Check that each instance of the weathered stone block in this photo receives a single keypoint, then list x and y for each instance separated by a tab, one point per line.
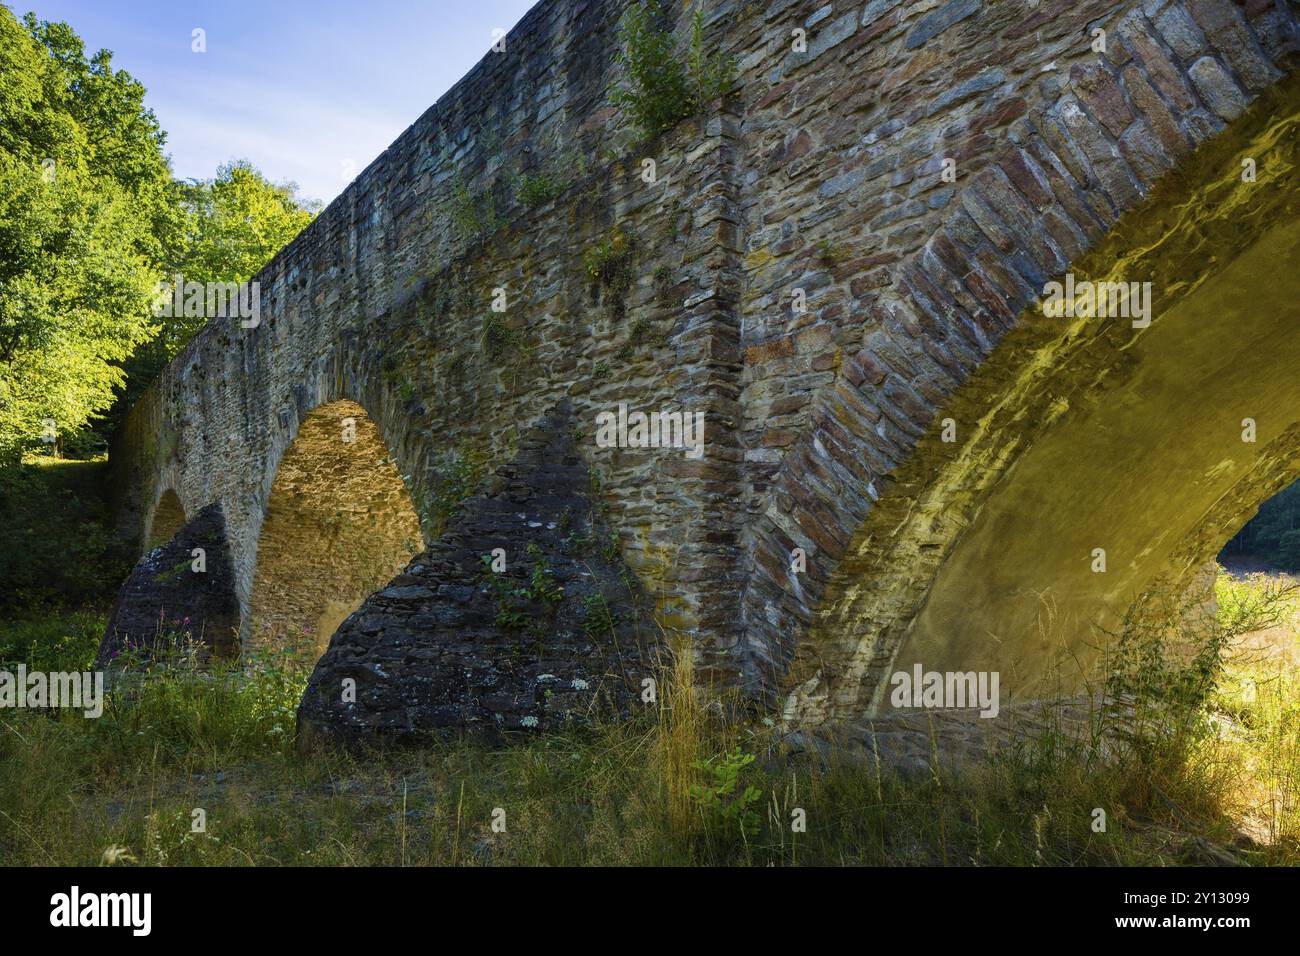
1218	90
166	605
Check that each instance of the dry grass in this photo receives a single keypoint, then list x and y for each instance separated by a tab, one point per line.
676	787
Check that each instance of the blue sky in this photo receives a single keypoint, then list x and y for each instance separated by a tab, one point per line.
308	90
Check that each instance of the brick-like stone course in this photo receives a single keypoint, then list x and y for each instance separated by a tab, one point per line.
167	605
819	174
452	644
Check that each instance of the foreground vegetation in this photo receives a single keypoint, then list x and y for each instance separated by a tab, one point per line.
1212	784
1213	776
92	220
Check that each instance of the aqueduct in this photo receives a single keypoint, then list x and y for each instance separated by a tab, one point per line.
840	265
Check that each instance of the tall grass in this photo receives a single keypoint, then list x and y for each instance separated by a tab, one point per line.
683	783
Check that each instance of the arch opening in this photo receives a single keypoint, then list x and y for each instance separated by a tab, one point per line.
339	525
1259	578
1269	543
168	518
1136	488
1100	462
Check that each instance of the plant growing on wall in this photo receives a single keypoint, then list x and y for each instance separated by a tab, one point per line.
609	265
472	215
665	83
457	475
498	339
540	188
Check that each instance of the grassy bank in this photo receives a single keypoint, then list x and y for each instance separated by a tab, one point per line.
675	787
1214	779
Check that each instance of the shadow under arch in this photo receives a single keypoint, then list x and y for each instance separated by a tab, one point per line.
339	524
1086	435
168	517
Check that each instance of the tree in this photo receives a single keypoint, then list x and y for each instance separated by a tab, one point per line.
80	225
230	227
91	220
233	225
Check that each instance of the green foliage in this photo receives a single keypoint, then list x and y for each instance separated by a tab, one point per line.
612	548
711	74
179	737
1273	535
640	333
86	210
234	224
56	540
723	798
1165	670
458	474
90	222
498	339
607	262
173	702
514	602
597	616
472	215
609	265
1170	655
75	293
52	642
539	189
542	586
664	83
1253	603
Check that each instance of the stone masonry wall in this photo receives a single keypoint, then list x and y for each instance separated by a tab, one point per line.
550	634
820	173
911	282
386	300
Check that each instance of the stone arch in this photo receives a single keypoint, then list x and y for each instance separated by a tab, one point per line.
976	554
339	524
167	517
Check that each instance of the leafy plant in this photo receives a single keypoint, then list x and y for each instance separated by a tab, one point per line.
711	74
539	189
609	264
542	584
458	474
1254	603
499	338
721	796
664	83
606	261
597	616
513	602
472	215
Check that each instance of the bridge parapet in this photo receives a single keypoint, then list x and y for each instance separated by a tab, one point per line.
819	266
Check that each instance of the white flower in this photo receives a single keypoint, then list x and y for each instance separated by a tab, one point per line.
579	684
529	721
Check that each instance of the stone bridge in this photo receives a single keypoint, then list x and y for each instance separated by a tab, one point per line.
841	265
